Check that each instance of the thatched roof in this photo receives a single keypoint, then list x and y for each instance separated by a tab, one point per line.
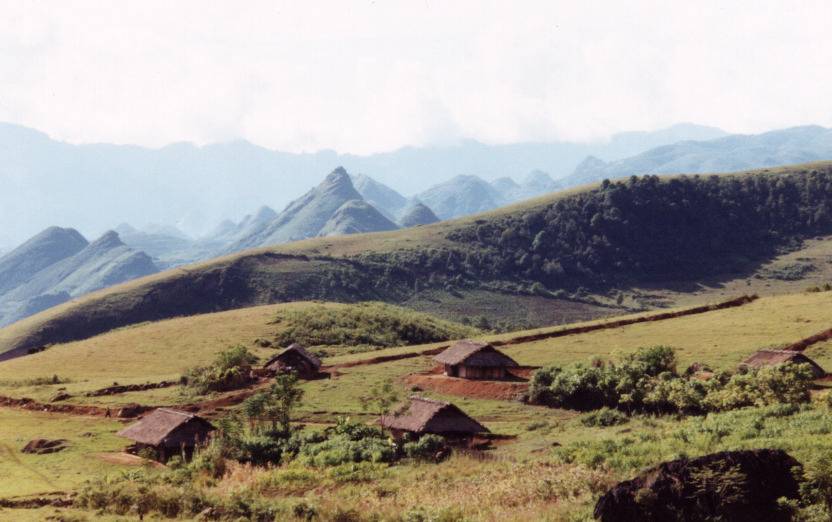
474	353
774	357
162	424
295	349
430	416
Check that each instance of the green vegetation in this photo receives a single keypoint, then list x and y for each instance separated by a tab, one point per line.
554	467
229	371
369	325
276	404
581	242
604	417
612	233
88	440
647	381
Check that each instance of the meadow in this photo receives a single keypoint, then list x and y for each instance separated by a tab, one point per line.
548	465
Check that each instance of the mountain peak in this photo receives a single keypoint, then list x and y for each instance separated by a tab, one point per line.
265	213
109	239
418	214
338	175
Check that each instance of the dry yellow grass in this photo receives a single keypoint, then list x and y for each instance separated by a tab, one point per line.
721	338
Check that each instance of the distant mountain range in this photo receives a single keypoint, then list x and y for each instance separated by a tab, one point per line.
59	264
727	154
96	186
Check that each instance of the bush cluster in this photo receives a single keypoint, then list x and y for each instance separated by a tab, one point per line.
374	324
230	370
647	381
604	417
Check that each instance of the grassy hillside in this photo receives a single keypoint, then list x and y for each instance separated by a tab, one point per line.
575	245
164	350
550	464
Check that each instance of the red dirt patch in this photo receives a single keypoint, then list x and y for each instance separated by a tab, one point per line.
474	389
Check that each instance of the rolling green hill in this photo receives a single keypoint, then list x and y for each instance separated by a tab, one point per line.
576	245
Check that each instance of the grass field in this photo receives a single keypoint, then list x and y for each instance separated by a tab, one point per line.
163	350
551	468
25	474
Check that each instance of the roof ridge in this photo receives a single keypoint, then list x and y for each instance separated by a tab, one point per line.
178	412
426	399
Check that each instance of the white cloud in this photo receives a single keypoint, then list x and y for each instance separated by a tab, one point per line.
366	76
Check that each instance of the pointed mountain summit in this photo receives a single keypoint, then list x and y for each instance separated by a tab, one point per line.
104	262
417	214
310	215
41	251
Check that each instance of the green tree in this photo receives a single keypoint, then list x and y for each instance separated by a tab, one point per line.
380	399
276	404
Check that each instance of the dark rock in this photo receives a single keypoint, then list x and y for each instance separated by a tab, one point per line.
60	396
44	446
741	486
130	410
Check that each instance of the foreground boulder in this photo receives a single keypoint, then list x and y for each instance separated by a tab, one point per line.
732	485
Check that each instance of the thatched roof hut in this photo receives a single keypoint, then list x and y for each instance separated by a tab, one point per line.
295	358
168	431
475	360
429	416
776	357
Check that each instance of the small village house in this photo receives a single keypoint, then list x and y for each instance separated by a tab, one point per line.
475	360
775	357
422	416
295	358
168	432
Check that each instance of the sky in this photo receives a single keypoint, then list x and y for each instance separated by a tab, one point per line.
369	76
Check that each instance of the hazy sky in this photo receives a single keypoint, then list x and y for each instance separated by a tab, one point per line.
361	76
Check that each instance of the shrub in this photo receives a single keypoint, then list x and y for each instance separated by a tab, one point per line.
604	417
591	387
647	381
230	370
357	472
426	447
782	384
340	449
374	324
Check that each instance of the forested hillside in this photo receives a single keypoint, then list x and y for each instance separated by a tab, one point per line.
650	229
597	240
